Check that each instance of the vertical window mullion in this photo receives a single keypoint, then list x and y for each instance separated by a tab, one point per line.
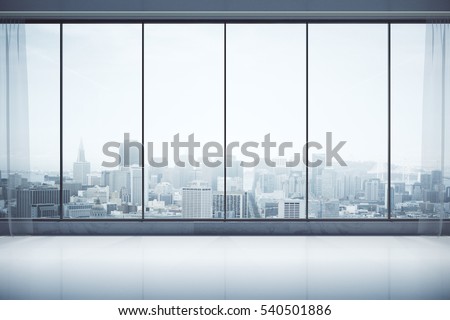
143	192
307	128
225	120
61	191
389	126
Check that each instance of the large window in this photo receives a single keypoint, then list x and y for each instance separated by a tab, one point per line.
266	110
348	101
211	121
183	101
420	149
102	103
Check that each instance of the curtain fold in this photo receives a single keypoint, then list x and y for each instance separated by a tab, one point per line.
436	117
14	122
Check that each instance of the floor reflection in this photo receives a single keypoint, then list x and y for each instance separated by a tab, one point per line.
225	267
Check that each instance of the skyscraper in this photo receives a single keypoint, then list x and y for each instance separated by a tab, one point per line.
328	182
237	205
425	181
266	182
436	179
136	186
316	175
197	201
133	156
371	190
81	168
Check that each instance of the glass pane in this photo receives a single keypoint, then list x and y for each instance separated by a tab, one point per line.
348	102
419	188
183	97
102	103
30	188
266	85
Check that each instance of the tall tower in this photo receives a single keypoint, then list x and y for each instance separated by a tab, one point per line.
371	189
136	186
81	168
81	157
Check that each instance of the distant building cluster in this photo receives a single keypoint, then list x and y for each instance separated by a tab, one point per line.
357	191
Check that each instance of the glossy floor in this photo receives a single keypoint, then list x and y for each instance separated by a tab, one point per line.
225	267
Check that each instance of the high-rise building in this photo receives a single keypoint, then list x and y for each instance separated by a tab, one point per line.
314	208
416	192
38	196
296	184
237	205
328	183
211	174
436	179
105	179
166	198
81	168
197	200
371	189
316	174
282	183
266	182
73	187
352	186
425	181
133	155
340	190
94	179
234	168
119	179
136	186
399	187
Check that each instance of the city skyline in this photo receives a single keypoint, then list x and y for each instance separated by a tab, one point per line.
278	192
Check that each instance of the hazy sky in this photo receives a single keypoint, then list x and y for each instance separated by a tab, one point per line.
102	88
265	86
43	95
183	83
408	55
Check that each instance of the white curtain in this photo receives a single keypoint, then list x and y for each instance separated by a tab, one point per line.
14	125
436	110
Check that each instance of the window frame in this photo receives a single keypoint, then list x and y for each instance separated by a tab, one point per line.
354	226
